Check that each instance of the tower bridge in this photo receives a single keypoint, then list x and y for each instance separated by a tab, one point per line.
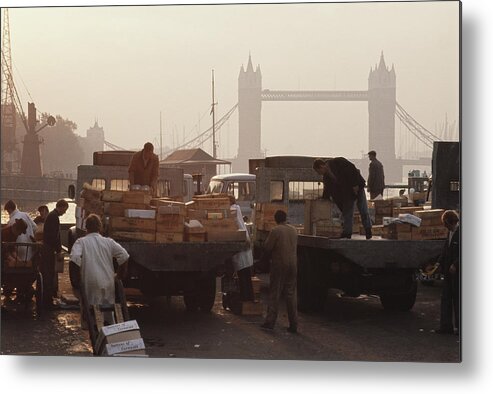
382	107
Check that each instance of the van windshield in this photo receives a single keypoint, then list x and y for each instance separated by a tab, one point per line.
215	187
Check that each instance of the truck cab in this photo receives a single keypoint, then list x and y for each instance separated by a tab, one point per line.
242	186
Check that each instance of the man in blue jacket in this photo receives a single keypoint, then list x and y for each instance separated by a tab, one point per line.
344	185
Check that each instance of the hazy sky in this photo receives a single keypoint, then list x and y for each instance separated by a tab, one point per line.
123	65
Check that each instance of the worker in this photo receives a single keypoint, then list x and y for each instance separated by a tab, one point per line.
93	254
243	261
144	168
280	246
24	253
376	177
43	213
450	266
343	184
51	251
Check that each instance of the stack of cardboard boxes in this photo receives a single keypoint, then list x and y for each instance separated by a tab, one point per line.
264	215
321	219
121	339
431	225
136	216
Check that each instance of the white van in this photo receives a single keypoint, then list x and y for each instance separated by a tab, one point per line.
242	186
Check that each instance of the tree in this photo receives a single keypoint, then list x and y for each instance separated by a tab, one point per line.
60	149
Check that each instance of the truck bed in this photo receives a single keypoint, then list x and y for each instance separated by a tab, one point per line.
182	257
377	252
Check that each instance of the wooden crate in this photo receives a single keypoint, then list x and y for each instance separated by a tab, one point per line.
133	236
136	197
211	203
400	227
170	223
117	223
112	195
172	207
228	236
118	208
195	237
430	232
228	224
252	308
162	237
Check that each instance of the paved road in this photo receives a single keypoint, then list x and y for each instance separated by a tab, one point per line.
348	329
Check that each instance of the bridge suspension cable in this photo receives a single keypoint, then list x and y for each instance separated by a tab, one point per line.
418	130
201	138
113	146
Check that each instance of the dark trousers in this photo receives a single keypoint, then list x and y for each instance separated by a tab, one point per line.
245	283
449	307
282	281
348	212
48	256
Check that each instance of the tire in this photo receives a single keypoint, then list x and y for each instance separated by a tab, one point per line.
38	294
400	301
207	295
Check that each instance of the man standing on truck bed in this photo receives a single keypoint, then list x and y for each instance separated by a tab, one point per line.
344	184
144	168
376	177
281	246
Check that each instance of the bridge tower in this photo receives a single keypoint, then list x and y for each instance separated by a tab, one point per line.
249	114
381	113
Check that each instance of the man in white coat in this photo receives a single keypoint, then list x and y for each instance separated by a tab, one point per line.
243	261
94	254
23	252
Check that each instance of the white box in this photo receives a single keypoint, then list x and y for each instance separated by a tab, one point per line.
140	213
411	219
131	345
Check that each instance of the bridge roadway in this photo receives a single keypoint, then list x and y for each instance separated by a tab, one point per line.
314	95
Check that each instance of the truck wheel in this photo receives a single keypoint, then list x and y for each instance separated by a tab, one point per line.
400	301
207	293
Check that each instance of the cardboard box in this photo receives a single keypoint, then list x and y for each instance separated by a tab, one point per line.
194	227
411	210
140	213
256	285
133	236
117	332
129	347
171	227
136	197
228	236
112	196
163	237
118	209
132	224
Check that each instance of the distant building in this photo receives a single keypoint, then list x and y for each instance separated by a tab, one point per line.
93	142
194	161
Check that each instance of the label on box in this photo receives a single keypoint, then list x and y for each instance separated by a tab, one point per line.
125	346
120	327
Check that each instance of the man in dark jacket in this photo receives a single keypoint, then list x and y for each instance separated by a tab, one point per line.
450	265
343	184
52	248
376	177
144	168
